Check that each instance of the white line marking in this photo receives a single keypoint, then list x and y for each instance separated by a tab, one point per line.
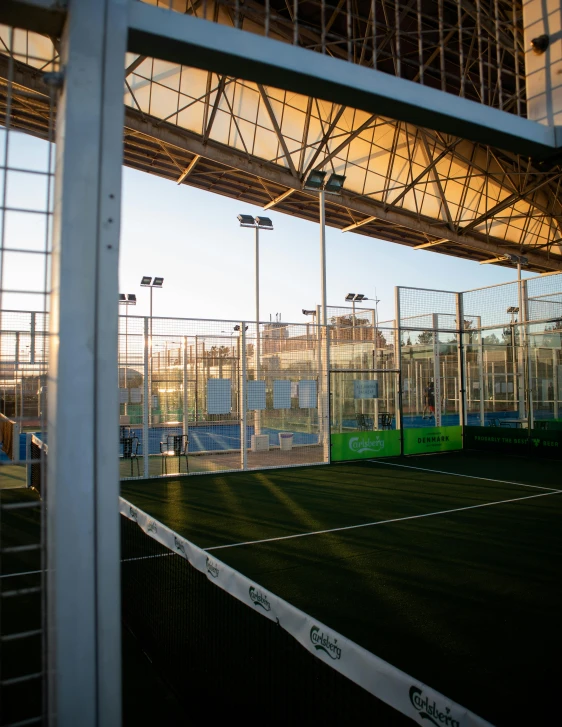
383	522
471	477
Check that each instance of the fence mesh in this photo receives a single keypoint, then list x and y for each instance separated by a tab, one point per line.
186	379
26	203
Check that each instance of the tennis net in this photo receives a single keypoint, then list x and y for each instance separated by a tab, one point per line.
215	652
222	643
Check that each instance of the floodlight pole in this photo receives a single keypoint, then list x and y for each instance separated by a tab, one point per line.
324	332
257	418
321	200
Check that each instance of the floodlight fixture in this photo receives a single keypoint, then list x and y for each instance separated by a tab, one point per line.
350	296
540	44
130	299
308	312
360	297
146	281
334	185
512	309
237	328
246	221
315	180
157	282
264	223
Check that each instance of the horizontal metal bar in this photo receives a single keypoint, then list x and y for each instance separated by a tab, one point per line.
21	592
41	16
25	722
21	548
23	573
186	40
19	680
21	635
365	371
23	505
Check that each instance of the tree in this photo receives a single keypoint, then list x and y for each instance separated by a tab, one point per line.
426	337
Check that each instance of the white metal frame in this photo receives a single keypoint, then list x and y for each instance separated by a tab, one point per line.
82	499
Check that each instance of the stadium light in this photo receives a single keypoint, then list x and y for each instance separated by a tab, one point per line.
350	296
315	180
308	312
246	221
334	185
258	223
148	281
126	300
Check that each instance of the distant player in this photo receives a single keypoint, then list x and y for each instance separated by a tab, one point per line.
430	398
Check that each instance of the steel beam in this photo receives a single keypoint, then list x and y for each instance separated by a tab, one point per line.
186	40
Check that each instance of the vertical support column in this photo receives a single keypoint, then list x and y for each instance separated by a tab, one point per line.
398	362
32	338
146	401
481	372
83	528
526	339
462	361
555	384
243	401
257	413
436	370
185	385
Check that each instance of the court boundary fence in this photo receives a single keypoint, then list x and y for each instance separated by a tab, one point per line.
382	680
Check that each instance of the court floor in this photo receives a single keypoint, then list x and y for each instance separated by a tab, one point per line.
445	566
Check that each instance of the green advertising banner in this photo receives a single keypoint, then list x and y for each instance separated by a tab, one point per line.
536	443
432	439
365	445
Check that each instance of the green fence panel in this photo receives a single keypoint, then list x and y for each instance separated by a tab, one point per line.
538	443
365	445
432	439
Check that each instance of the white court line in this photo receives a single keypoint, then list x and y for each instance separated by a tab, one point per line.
383	522
471	477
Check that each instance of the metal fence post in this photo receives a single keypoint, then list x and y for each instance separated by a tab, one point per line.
398	364
83	574
146	400
461	362
243	397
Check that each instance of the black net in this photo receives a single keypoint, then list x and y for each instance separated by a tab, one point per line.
218	655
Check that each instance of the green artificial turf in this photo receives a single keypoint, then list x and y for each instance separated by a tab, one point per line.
468	601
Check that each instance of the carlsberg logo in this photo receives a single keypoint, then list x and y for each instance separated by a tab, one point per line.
212	568
179	545
366	443
322	642
429	710
259	599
